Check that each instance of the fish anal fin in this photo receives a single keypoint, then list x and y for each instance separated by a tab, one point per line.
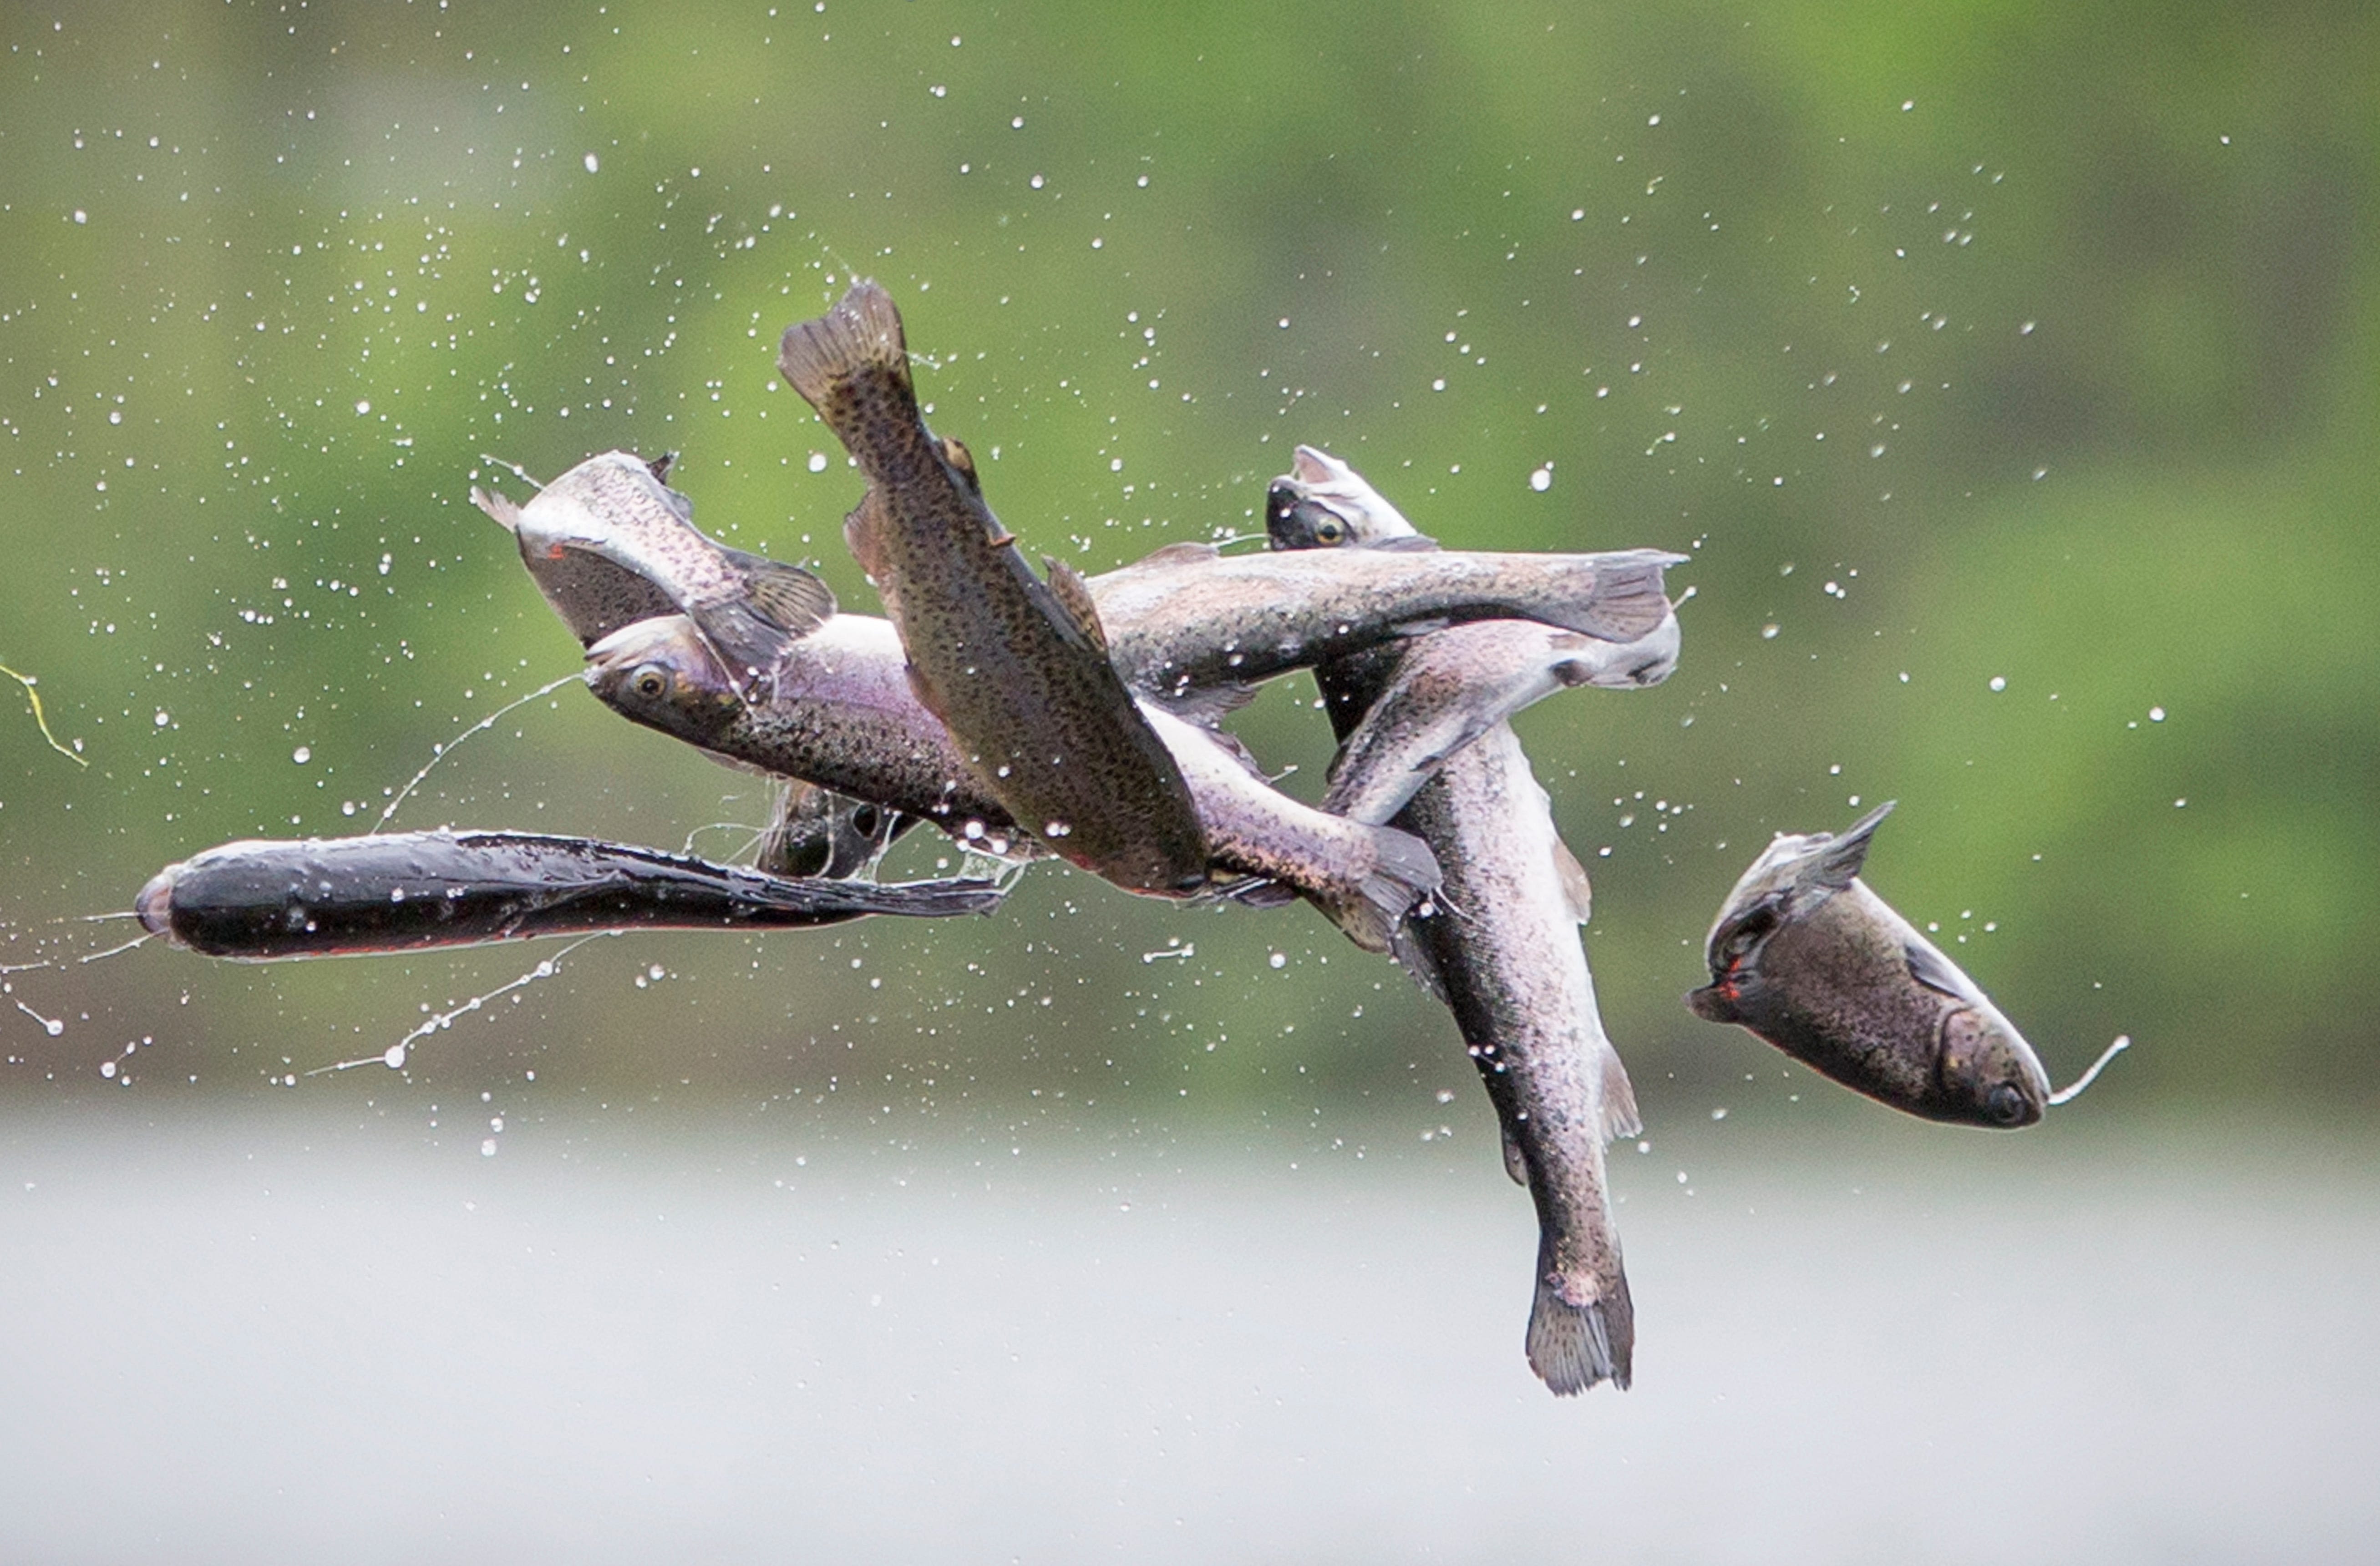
1578	892
862	332
862	529
1073	595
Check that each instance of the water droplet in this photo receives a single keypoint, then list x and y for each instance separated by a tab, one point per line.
1278	960
302	755
2000	682
163	718
2156	714
394	1057
1542	478
591	164
363	404
1768	632
488	1148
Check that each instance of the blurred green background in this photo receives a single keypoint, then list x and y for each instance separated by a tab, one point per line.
2009	370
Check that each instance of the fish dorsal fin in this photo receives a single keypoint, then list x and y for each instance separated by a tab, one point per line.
961	462
786	596
863	331
1578	892
1205	705
658	467
1620	1116
502	511
1404	543
1189	552
1074	596
1935	971
1842	858
861	530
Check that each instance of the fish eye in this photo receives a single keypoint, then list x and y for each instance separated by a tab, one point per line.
2005	1104
651	680
1747	935
1330	530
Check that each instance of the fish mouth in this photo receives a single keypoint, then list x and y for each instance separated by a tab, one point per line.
156	903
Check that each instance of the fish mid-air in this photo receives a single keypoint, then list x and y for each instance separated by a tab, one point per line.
1015	667
841	715
1501	946
610	543
1806	957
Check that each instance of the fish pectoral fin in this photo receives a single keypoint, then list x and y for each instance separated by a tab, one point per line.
1189	552
862	529
787	595
1935	971
1074	596
502	511
862	332
1578	892
961	462
1844	858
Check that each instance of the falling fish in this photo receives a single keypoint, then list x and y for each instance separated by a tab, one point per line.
1499	944
406	891
816	832
1016	668
610	543
1805	956
840	714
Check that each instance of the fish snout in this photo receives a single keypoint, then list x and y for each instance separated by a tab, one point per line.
156	903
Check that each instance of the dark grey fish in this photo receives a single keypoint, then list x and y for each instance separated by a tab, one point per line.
1805	956
1500	944
841	714
816	832
408	891
610	543
1015	668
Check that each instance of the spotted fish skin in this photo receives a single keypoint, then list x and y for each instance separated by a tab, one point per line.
1501	949
840	714
1015	667
1806	957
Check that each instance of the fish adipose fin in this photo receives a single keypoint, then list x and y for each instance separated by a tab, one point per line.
1842	858
863	331
1573	1346
1404	872
961	462
1073	596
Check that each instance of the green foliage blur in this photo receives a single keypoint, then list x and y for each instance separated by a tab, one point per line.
2008	369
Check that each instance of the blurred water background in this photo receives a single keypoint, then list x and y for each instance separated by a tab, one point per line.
2008	372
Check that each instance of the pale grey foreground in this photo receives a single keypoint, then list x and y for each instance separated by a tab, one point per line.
294	1339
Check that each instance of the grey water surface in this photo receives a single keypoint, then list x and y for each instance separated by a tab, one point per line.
309	1334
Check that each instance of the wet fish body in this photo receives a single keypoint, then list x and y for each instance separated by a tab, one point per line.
1501	945
841	714
610	543
1016	668
816	832
1187	619
1806	957
404	892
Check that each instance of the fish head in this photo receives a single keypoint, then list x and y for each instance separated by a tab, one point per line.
1323	503
662	673
1989	1075
816	832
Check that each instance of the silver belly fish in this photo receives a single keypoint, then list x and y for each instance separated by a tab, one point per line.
1501	946
841	714
409	891
609	543
1806	957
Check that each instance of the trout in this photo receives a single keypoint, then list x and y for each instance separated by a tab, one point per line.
843	715
609	543
1501	947
408	891
1804	956
1015	668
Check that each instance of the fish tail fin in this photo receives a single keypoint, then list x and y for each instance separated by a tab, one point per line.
918	899
860	335
1629	600
1582	1330
1403	871
499	509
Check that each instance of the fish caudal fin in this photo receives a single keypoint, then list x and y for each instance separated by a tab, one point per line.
1572	1345
502	511
1629	600
862	333
1404	872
